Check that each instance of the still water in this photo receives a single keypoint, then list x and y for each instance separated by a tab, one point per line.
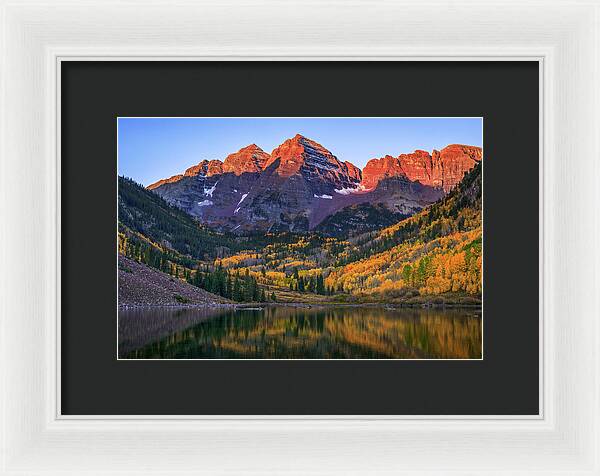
280	332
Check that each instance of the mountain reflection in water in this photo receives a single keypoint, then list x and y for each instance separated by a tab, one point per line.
280	332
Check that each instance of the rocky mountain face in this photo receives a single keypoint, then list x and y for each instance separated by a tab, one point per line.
301	184
250	159
300	177
206	168
440	169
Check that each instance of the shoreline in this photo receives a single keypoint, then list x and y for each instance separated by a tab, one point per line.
302	305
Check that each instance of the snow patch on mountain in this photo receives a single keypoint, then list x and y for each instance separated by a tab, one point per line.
242	199
350	190
239	203
210	191
346	191
205	203
329	197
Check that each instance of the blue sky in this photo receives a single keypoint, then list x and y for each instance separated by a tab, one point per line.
154	148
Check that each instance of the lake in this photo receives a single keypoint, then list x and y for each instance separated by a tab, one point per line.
285	332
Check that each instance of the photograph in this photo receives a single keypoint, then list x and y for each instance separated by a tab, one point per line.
300	238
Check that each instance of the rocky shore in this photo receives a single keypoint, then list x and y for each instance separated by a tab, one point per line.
142	286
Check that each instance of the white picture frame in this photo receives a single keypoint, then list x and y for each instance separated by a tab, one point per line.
563	36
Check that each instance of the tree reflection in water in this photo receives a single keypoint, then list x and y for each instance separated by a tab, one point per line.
279	332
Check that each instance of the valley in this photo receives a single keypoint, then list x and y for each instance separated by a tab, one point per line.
299	225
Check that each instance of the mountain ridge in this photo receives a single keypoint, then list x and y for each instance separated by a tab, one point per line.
440	169
246	158
301	183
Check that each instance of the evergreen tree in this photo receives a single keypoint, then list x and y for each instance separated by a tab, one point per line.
254	290
320	286
229	289
237	294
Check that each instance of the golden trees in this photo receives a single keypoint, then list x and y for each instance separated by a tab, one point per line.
448	264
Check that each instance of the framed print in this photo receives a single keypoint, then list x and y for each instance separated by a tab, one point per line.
299	239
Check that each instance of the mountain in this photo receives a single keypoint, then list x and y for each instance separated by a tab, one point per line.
302	186
440	169
436	251
300	179
250	159
433	256
144	214
302	156
163	237
205	168
212	190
